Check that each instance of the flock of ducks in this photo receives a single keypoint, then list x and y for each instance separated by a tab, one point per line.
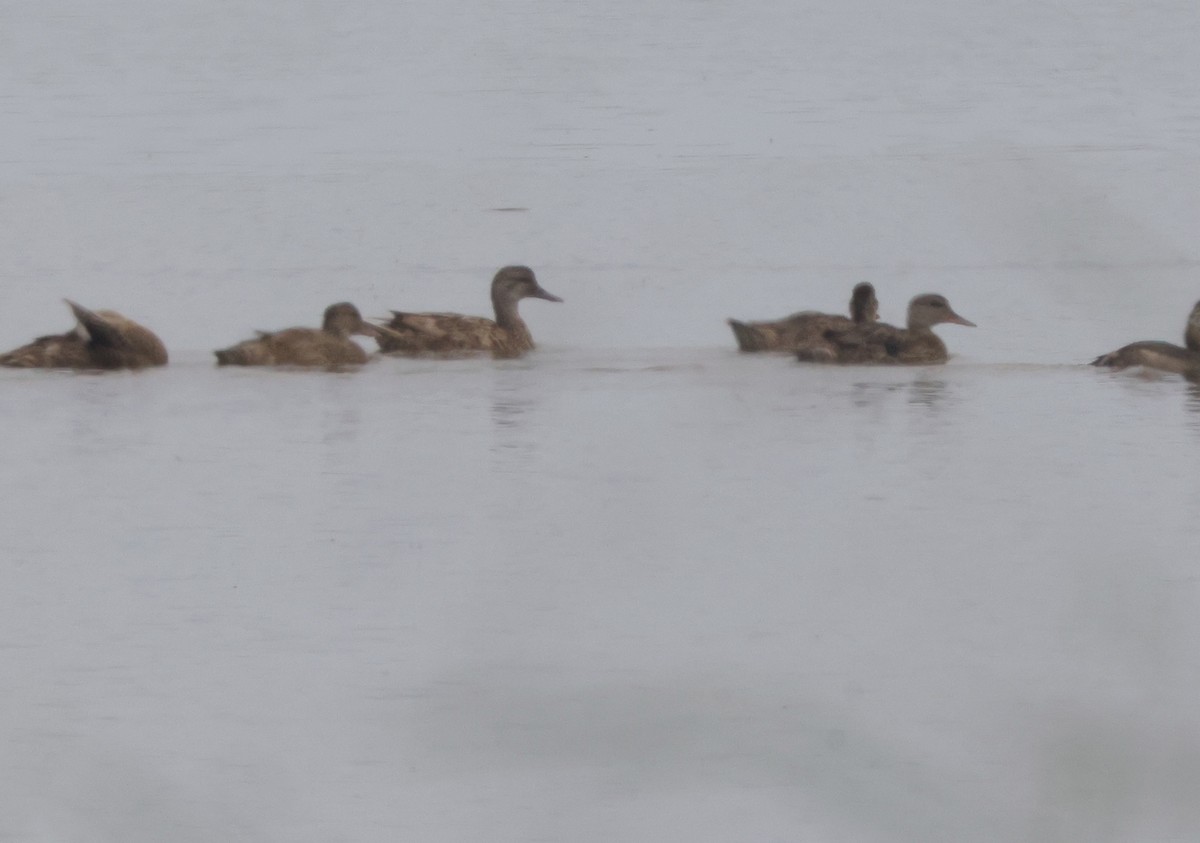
104	339
862	339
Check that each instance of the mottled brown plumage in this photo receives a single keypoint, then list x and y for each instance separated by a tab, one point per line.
328	347
451	334
790	333
1166	356
880	343
101	339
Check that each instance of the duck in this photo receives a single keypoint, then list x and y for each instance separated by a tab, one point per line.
1165	356
452	334
791	332
100	340
327	347
880	343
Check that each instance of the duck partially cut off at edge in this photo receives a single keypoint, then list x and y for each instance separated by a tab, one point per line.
101	340
1163	356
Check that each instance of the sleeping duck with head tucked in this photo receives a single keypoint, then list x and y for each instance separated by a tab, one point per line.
101	339
327	347
791	332
880	343
452	334
1164	356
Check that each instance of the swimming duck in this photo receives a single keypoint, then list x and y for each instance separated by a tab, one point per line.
453	334
329	347
101	339
1161	355
915	344
793	331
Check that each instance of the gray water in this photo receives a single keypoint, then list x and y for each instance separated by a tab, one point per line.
634	586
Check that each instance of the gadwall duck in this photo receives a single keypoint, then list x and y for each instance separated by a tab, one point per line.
451	334
1161	355
328	347
881	343
790	333
101	339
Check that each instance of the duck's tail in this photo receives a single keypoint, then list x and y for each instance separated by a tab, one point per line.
389	333
248	353
748	337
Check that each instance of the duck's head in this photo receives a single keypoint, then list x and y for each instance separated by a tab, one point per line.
1191	331
1193	323
864	307
513	283
931	309
343	319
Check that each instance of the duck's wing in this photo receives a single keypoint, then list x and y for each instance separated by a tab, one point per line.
851	343
418	333
438	324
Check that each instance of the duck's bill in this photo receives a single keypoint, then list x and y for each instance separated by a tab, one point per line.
369	330
958	320
542	294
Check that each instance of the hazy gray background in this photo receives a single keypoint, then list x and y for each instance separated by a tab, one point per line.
635	586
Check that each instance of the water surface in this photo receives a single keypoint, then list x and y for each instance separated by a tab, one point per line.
634	586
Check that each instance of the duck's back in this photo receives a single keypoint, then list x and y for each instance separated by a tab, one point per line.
57	351
785	334
878	343
307	347
449	334
130	346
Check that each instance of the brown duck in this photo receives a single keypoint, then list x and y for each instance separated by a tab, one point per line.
1165	356
880	343
101	339
328	347
450	334
790	333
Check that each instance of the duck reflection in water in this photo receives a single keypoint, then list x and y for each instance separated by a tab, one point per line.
923	391
515	439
